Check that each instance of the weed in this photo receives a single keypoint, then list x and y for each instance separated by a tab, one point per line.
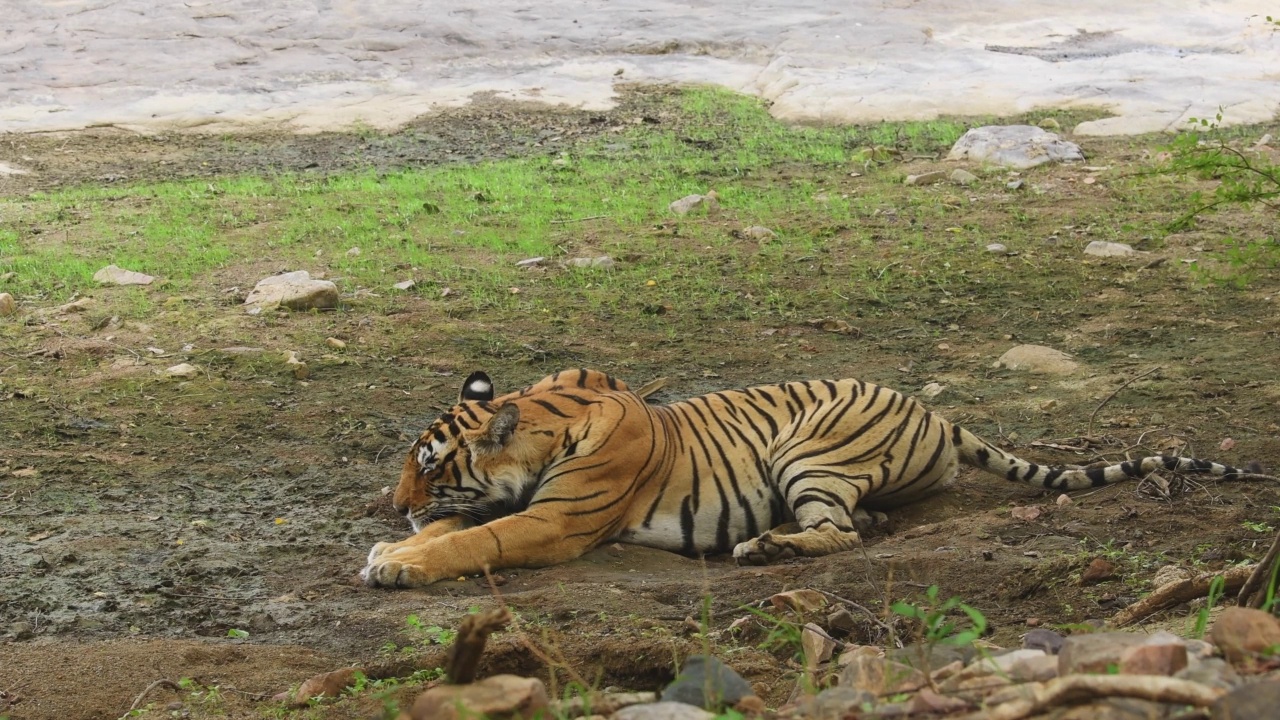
427	635
935	626
1257	526
237	633
1217	587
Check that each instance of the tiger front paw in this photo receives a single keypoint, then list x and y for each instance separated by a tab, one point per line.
387	572
763	550
378	550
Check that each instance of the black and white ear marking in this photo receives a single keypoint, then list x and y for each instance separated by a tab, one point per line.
477	386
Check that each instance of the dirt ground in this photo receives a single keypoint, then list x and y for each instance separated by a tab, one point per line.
140	522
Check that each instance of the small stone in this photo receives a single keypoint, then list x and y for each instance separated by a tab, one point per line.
801	601
6	277
328	685
689	203
928	178
531	262
185	371
7	305
335	343
1037	359
816	644
1049	124
604	262
112	275
1029	513
1015	146
842	621
353	252
928	702
963	177
706	682
296	366
1157	656
660	711
758	232
499	696
1000	664
997	248
932	390
1243	632
1015	184
834	703
406	285
78	306
1102	248
21	631
1211	671
1099	569
294	290
1255	700
1095	652
1035	669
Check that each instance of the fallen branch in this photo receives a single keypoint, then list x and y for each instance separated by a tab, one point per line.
171	685
473	633
1178	592
1080	688
1254	592
578	220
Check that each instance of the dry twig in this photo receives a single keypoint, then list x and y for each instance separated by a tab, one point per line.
171	685
473	633
1179	592
1107	399
1254	592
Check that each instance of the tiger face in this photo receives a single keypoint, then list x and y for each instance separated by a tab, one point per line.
458	466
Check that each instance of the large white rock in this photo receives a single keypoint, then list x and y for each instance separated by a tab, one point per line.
1102	248
294	290
1015	146
112	275
1038	359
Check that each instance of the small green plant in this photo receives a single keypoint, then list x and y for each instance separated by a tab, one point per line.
429	634
1257	526
936	627
237	633
1217	587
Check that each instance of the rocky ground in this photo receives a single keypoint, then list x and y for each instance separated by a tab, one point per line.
204	527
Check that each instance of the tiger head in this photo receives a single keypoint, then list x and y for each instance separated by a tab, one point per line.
459	465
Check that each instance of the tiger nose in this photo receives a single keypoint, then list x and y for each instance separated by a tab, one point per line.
400	507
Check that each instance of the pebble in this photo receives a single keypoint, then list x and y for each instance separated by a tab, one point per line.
77	306
1037	359
1243	632
406	285
929	178
1255	700
689	203
1099	569
932	390
335	343
21	630
997	248
353	252
296	366
963	177
1095	652
182	370
531	262
758	232
1102	248
7	305
1014	184
706	682
835	703
1047	640
662	711
499	696
112	275
603	262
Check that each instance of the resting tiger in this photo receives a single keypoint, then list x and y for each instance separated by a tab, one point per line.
542	475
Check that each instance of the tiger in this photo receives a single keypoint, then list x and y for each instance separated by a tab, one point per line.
540	476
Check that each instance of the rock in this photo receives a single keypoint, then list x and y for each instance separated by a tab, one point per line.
928	702
406	285
689	203
842	622
335	343
1037	359
1118	709
353	252
1214	672
7	305
185	371
1063	500
1000	664
1099	569
241	350
1255	700
21	630
879	676
1095	652
1041	668
1015	146
660	711
1157	656
932	390
834	703
758	232
328	685
1029	513
78	306
1014	184
1102	248
1049	124
296	366
603	262
817	645
294	290
112	275
1242	632
929	658
929	178
498	698
531	262
963	177
706	682
801	601
997	249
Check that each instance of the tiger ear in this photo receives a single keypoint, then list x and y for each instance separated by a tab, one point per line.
477	386
497	431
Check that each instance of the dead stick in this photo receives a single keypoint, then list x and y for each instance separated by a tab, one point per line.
578	220
1078	688
138	700
1180	591
473	633
1107	399
1252	595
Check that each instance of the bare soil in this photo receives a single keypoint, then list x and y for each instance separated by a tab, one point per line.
140	520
